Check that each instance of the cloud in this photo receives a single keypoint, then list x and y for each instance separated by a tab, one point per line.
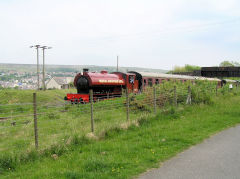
157	34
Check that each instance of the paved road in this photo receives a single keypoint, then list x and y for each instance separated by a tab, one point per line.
217	157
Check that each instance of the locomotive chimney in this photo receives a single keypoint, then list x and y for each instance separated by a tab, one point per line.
85	70
104	72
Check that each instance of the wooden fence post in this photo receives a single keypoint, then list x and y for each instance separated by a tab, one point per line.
91	101
216	90
189	97
175	95
127	102
35	119
154	100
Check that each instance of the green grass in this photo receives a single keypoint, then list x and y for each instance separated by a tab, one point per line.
17	104
12	96
127	153
56	124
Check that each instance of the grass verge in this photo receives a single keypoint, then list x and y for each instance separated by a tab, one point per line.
127	153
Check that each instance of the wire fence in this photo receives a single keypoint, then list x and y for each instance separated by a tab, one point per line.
37	125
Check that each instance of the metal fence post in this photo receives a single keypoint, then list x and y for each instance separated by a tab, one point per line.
154	100
35	119
175	95
91	101
127	102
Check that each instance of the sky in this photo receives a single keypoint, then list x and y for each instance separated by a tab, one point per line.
143	33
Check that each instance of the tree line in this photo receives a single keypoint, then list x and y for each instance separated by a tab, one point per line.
192	68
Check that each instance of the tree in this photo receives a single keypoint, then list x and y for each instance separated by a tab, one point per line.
191	68
226	64
236	64
229	64
186	68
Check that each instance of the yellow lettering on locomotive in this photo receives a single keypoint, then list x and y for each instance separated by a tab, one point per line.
110	81
102	81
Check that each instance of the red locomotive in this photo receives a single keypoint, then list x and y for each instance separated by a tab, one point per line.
104	85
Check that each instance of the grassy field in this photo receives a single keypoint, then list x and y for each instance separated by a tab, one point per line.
122	153
63	128
58	122
12	96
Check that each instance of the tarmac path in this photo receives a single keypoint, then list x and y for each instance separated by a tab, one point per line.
216	158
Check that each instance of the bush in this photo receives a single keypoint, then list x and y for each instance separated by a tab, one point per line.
201	92
8	161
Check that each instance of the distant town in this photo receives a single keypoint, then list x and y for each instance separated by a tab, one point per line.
24	76
28	80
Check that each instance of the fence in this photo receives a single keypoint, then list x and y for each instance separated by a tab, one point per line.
40	125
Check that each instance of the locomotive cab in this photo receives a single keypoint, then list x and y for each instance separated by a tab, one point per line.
132	83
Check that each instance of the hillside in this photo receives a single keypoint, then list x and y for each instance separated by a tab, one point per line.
72	68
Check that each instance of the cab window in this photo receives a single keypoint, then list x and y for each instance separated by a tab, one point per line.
131	79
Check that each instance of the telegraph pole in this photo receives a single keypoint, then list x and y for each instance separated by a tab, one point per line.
37	47
43	80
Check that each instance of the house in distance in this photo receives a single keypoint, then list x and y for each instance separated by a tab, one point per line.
59	83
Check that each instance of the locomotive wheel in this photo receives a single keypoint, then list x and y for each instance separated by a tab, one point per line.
76	101
81	101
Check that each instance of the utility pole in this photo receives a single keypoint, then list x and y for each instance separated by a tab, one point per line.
37	47
43	80
117	63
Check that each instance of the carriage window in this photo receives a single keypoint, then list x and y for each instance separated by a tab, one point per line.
144	82
156	81
150	81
